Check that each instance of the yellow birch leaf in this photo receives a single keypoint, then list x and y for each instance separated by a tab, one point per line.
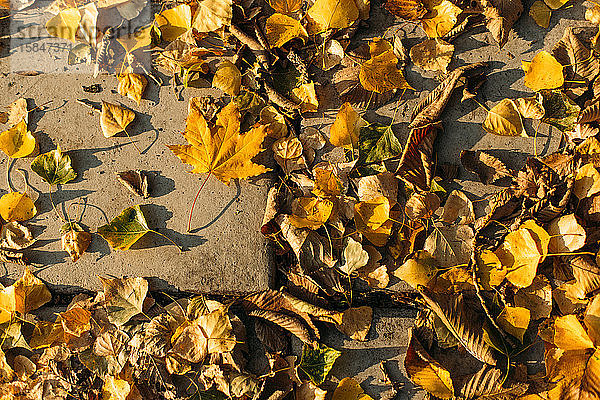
212	15
417	271
543	72
569	334
504	119
306	95
432	55
286	6
221	149
587	182
555	4
280	29
228	78
441	17
137	40
349	389
115	388
346	128
132	86
17	206
30	293
310	212
372	220
114	119
17	142
381	74
331	14
540	13
520	256
174	22
327	183
64	25
514	320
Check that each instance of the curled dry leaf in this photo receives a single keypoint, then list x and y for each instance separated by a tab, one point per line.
17	206
411	10
16	236
329	55
135	181
504	119
432	55
114	119
500	17
288	152
441	17
17	142
487	167
530	107
566	234
228	78
458	206
587	182
537	297
355	257
422	205
132	85
17	112
74	240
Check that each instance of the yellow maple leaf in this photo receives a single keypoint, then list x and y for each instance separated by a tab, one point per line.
220	149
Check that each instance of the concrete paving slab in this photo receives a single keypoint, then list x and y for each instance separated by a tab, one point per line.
224	252
387	341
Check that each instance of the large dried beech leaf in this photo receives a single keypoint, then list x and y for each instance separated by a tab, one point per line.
463	322
220	149
488	383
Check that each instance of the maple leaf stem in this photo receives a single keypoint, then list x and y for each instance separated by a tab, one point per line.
166	237
189	227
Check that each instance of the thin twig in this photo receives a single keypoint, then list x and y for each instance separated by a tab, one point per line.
257	49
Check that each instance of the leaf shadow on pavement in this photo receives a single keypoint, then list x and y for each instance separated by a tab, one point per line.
159	184
85	159
157	217
238	192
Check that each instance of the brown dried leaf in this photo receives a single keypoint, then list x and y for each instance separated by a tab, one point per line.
136	181
487	167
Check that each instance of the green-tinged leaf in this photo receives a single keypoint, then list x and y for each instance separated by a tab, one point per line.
124	298
378	143
561	111
317	362
54	167
125	229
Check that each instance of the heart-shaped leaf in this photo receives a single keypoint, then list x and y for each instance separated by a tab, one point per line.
54	167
